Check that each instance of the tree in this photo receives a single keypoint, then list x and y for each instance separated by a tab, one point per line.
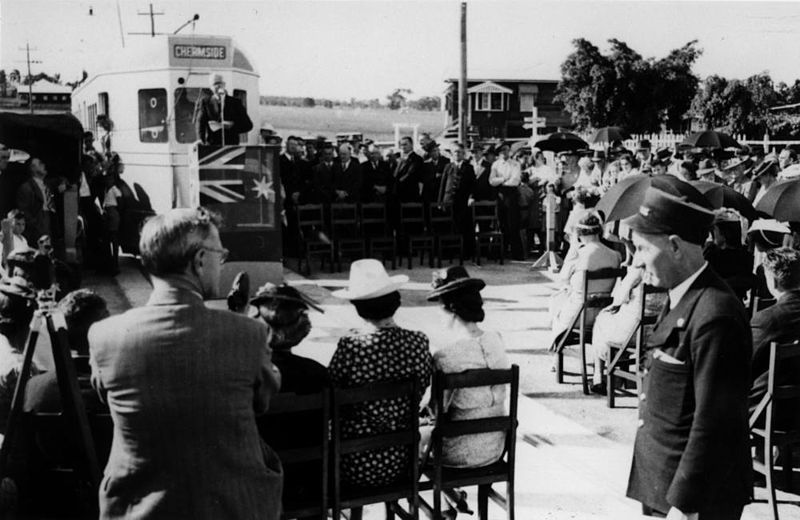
309	102
397	99
735	106
76	83
624	89
3	85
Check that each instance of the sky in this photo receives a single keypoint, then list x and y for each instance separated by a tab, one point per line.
366	49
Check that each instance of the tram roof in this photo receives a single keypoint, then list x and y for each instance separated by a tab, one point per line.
180	51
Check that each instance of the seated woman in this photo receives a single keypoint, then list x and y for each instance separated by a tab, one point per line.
591	255
384	353
615	325
727	255
471	348
764	236
584	199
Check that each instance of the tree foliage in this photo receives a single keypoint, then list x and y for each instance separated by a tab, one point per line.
397	99
622	88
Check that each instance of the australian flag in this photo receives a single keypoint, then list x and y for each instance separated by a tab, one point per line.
241	184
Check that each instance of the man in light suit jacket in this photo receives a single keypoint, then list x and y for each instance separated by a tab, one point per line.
184	384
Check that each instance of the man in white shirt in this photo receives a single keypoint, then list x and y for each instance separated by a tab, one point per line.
790	169
506	175
691	457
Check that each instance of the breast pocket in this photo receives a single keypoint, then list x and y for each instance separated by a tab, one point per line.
669	391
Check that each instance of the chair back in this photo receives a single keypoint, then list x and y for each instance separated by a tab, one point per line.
373	219
413	218
485	211
470	379
600	299
311	215
289	408
783	383
442	220
344	220
344	401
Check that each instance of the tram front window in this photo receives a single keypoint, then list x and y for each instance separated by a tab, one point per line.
185	103
153	115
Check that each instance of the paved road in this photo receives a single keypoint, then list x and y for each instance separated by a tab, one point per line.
573	452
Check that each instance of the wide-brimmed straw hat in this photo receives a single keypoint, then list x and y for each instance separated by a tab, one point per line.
770	231
369	279
453	279
284	292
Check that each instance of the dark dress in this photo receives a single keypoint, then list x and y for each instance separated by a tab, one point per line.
735	266
385	355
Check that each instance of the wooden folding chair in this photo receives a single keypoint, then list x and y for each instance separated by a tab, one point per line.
312	458
346	233
345	497
378	233
784	393
414	232
445	233
580	325
489	235
314	239
442	478
626	363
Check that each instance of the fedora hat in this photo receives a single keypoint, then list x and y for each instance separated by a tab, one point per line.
452	279
284	292
369	279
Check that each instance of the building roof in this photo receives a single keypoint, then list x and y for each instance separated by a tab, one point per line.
46	87
489	86
501	80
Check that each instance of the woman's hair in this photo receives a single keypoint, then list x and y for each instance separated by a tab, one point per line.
465	303
15	313
731	233
589	224
380	308
586	196
630	159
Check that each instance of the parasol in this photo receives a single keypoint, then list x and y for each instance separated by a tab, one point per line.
562	142
624	198
710	139
608	134
782	201
721	196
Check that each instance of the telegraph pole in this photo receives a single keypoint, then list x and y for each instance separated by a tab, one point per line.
152	16
28	61
462	80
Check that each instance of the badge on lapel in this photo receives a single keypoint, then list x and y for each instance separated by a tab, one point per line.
681	323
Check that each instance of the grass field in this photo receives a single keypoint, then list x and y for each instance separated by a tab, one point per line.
374	124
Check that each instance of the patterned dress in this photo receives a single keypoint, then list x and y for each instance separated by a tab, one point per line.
385	355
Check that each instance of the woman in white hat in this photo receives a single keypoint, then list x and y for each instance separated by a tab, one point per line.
384	353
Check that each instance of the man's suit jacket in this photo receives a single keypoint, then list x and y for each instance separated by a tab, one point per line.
408	177
692	447
456	188
780	323
320	189
37	219
433	175
184	384
295	175
209	110
373	175
348	180
482	189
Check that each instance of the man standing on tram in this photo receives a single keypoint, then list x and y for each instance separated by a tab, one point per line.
220	118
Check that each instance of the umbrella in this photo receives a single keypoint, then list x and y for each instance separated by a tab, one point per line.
608	134
624	198
721	196
562	142
519	145
710	139
782	201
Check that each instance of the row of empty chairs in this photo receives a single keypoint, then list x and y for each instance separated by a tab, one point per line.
334	232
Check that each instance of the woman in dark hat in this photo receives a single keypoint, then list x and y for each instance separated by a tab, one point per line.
727	255
471	348
16	310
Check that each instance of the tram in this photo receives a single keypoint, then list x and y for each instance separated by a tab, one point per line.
149	92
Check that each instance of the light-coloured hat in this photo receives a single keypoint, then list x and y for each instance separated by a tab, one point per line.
765	224
369	279
215	78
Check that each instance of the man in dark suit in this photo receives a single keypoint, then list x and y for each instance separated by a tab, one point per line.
184	384
408	174
376	178
691	457
457	184
320	189
35	200
347	176
433	171
780	323
220	118
482	189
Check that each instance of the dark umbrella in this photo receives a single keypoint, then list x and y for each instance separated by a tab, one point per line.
562	142
608	134
624	198
721	196
782	201
53	138
711	139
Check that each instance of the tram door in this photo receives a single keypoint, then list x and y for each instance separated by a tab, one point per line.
242	184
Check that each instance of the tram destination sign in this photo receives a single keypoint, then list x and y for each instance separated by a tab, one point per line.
208	51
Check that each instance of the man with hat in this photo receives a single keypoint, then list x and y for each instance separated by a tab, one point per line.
764	176
643	154
482	189
599	161
707	171
220	118
506	175
735	173
691	456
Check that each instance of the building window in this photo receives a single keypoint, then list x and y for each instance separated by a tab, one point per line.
102	103
527	102
152	115
92	115
490	101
